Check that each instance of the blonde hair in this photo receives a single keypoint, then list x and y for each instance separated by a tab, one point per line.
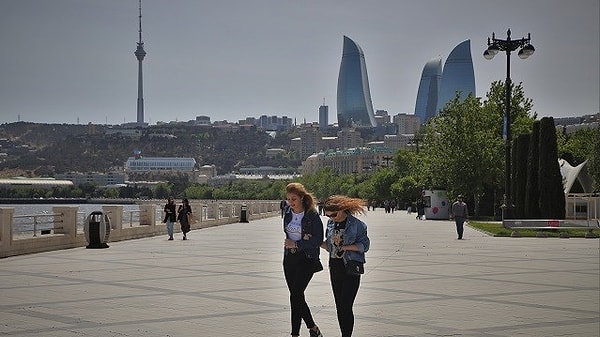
308	199
346	204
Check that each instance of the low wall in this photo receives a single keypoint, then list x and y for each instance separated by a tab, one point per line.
66	233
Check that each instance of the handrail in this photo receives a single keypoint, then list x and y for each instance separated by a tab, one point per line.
36	217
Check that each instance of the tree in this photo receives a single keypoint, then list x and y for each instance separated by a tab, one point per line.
382	179
366	190
198	192
519	178
162	191
111	193
462	149
325	183
594	159
407	188
532	194
552	195
576	147
520	108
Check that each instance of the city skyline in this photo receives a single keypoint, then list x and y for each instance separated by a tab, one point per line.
69	61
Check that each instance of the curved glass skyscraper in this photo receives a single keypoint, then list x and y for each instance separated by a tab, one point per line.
429	87
354	105
458	75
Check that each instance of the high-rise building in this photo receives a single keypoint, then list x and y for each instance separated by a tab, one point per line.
458	75
323	116
429	87
354	105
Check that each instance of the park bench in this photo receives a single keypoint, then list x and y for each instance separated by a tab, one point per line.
551	224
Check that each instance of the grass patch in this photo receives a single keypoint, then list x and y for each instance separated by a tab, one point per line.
496	229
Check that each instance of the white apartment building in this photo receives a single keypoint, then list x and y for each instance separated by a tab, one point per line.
349	161
153	164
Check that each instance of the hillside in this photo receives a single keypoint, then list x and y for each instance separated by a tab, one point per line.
47	149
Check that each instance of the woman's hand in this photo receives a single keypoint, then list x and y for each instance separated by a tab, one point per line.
289	244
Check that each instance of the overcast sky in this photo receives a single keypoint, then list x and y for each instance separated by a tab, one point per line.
72	61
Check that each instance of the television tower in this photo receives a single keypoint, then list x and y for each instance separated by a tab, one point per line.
139	54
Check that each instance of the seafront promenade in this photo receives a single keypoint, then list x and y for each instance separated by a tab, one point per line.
67	229
227	281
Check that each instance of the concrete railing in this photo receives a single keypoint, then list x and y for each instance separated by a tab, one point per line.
67	234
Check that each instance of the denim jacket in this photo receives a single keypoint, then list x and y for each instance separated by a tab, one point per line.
355	233
312	232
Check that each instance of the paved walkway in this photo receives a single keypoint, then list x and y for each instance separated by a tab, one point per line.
227	281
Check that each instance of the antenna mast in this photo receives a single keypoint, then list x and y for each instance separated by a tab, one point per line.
140	19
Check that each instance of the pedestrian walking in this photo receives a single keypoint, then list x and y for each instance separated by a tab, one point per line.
184	215
420	209
304	234
170	216
346	241
460	212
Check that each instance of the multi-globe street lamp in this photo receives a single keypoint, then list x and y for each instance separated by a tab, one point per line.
526	49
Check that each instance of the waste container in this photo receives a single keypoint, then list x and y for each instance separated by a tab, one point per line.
97	230
244	213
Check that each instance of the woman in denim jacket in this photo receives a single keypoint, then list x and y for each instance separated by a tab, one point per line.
346	240
304	234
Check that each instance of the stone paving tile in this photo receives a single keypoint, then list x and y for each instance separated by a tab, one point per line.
227	281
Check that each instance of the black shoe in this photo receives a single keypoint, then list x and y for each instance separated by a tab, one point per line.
170	238
315	332
184	238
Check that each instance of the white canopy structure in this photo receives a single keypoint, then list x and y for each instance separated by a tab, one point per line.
583	204
571	175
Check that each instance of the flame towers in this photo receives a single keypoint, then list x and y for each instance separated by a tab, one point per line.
354	105
458	75
438	87
429	87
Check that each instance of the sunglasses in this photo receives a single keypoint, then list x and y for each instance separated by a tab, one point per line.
332	215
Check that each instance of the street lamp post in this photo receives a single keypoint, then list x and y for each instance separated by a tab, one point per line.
526	49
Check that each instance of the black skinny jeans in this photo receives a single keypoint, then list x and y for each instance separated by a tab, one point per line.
298	273
345	288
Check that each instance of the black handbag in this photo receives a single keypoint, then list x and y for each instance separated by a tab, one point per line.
355	268
316	265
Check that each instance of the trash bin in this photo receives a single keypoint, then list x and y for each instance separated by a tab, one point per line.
97	230
244	213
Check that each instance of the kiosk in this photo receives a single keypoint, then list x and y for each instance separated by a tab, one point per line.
437	205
